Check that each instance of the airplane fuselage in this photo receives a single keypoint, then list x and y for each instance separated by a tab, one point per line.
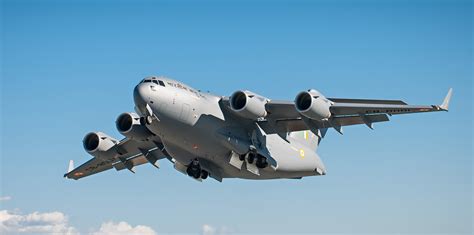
194	125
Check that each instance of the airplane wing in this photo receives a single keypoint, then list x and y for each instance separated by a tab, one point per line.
283	116
126	154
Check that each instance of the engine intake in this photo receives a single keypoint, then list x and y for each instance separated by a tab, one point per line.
129	125
312	104
248	105
96	143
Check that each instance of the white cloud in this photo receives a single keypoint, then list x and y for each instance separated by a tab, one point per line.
43	223
57	223
210	230
111	228
5	198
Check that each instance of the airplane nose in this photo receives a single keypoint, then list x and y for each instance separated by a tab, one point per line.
141	95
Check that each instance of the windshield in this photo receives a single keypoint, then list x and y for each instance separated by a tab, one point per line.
157	82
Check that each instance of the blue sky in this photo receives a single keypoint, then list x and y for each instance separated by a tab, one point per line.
69	68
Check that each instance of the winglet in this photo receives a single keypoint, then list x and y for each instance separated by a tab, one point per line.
71	166
445	105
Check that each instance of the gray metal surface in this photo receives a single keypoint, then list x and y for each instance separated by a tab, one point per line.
188	125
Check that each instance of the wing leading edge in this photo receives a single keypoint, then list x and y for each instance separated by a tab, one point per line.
354	108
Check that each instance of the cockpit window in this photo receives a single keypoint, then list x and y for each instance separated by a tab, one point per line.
157	82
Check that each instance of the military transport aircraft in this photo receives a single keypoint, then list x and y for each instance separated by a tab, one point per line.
244	136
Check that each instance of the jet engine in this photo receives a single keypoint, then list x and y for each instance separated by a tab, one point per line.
312	104
129	125
96	143
248	105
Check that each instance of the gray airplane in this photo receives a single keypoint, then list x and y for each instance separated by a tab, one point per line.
243	136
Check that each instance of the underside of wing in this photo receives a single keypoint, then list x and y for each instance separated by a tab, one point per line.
285	116
93	166
278	109
299	124
353	109
126	154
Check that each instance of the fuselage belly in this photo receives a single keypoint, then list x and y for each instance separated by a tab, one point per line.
193	125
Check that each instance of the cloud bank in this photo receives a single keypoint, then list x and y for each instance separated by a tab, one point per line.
43	223
14	222
57	223
111	228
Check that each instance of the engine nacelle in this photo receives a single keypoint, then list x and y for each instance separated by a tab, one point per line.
248	105
129	125
312	104
96	143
